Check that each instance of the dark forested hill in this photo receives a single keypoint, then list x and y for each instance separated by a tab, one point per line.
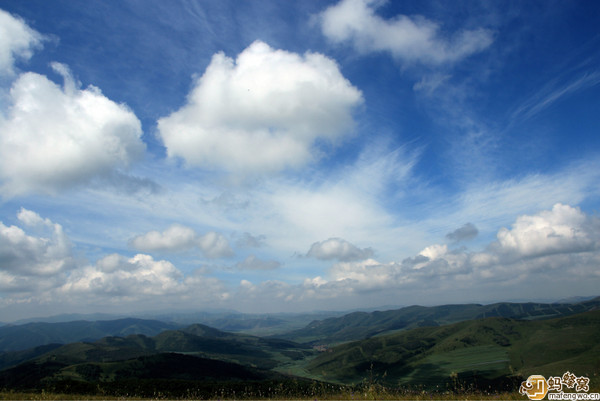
191	356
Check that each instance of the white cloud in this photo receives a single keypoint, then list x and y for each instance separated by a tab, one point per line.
550	247
120	276
367	274
27	261
254	263
17	41
434	251
338	248
52	138
563	229
535	256
174	238
179	238
41	270
409	39
262	112
127	282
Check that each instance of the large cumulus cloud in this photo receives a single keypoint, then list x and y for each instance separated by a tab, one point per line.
34	258
53	138
262	112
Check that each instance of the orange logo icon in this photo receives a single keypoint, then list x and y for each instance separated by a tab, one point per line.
535	387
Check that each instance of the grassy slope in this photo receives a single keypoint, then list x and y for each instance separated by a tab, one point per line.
488	349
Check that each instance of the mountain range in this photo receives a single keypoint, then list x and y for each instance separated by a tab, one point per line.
441	347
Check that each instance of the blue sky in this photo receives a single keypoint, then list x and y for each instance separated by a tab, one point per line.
271	156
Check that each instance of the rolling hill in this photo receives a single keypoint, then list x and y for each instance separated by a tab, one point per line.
196	340
197	357
485	351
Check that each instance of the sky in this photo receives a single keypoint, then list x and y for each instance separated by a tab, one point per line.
276	156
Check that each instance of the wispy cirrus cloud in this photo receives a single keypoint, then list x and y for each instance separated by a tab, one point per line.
552	92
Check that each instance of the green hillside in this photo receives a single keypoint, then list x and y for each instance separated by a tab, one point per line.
487	351
362	325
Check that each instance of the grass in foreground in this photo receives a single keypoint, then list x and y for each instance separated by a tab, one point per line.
342	396
279	393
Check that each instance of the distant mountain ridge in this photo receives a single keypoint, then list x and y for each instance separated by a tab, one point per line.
29	335
362	325
347	327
